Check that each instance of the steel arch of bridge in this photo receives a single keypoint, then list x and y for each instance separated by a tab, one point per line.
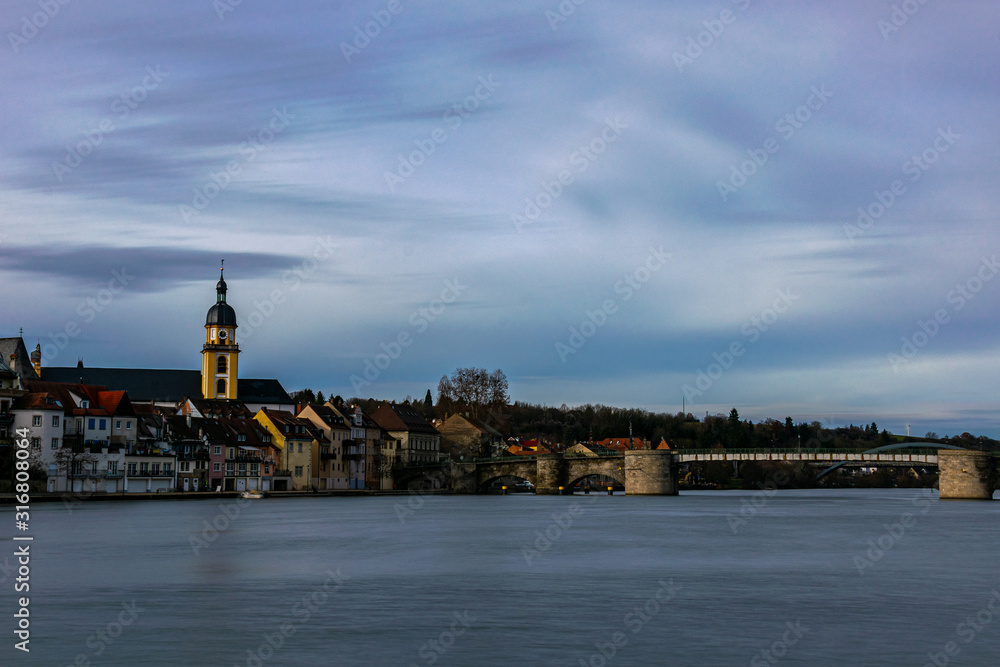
886	448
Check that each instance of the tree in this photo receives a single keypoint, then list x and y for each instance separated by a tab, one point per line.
475	390
73	463
320	398
304	396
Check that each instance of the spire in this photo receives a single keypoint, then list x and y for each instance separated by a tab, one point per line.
220	288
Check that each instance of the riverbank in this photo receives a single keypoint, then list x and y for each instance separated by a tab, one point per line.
72	498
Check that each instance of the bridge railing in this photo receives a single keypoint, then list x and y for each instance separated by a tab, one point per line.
794	450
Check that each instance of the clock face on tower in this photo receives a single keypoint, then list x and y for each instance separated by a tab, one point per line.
223	335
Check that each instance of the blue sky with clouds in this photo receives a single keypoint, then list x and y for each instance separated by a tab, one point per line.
606	202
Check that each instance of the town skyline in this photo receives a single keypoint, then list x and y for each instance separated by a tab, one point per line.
629	206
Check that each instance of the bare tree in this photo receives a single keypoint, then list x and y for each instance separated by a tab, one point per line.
475	390
73	463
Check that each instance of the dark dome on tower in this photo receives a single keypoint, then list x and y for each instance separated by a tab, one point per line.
221	314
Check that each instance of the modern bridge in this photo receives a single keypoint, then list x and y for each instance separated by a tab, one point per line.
963	473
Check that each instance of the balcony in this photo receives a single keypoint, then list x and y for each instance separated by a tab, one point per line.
328	456
151	473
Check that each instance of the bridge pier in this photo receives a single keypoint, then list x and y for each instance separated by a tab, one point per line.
966	475
650	472
550	474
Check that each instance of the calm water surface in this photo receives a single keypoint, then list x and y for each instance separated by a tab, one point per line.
823	577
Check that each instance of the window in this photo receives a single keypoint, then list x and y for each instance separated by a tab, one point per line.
55	420
229	469
128	424
131	469
104	424
300	448
36	420
216	467
298	471
166	469
220	387
144	467
230	454
220	366
77	468
55	443
36	443
156	469
79	426
113	467
217	450
241	437
185	466
118	425
243	470
254	469
93	467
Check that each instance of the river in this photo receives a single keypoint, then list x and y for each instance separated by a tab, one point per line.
823	577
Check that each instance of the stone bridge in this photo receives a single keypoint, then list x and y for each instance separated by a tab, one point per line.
964	474
642	472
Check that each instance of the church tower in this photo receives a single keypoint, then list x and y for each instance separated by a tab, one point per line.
219	354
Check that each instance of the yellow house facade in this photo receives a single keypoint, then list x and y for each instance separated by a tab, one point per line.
298	445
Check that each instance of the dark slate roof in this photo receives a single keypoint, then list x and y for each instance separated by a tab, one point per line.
140	383
260	391
155	384
221	314
9	346
399	417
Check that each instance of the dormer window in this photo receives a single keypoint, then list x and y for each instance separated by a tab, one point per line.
241	437
85	404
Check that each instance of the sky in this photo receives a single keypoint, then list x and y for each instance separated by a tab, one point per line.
787	208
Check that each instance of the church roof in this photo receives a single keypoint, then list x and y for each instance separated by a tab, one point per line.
164	385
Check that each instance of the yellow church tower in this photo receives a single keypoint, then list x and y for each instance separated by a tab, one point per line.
219	355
